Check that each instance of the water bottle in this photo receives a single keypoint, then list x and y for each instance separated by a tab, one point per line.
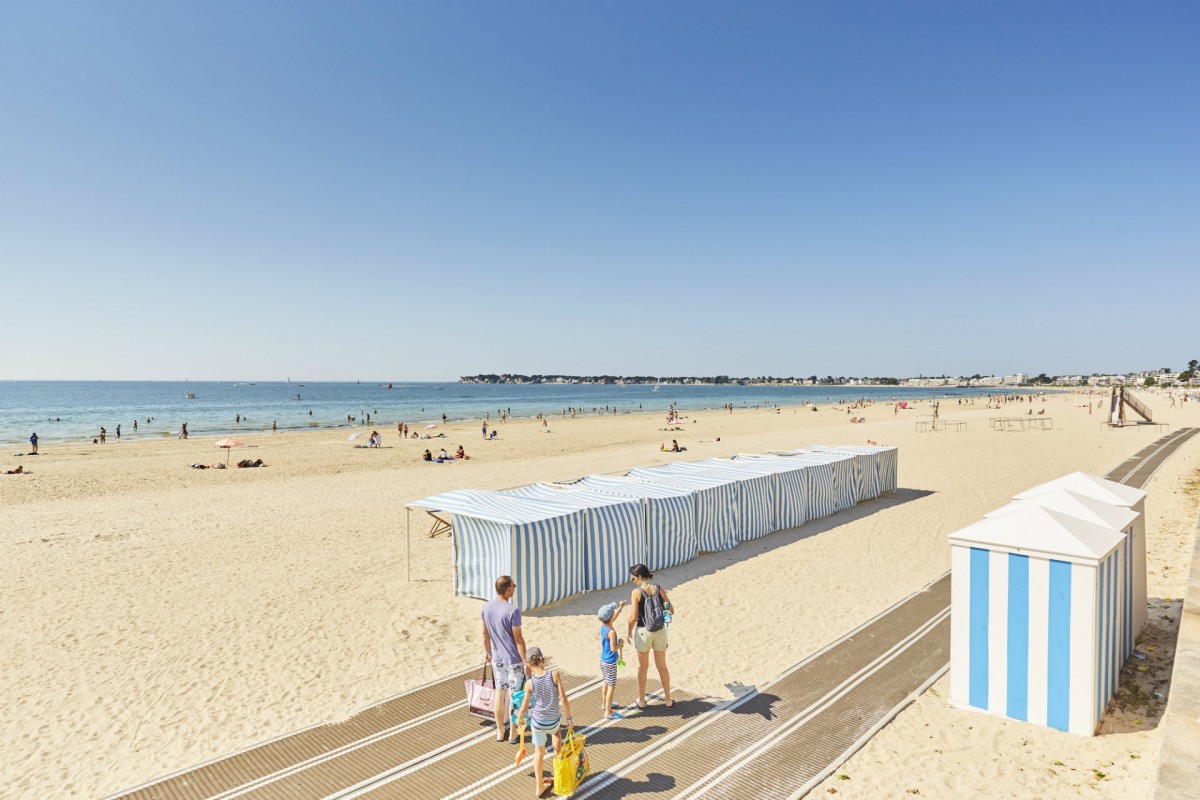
667	613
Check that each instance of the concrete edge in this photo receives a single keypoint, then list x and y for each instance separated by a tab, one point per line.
1179	751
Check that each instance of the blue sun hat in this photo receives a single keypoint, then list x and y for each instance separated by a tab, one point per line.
606	611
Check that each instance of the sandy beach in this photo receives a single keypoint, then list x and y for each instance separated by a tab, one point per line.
156	616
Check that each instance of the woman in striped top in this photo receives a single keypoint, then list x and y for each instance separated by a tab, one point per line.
544	696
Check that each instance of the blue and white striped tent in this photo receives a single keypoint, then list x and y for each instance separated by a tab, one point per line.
754	495
670	517
820	480
863	469
1119	518
539	544
882	461
1035	618
845	485
716	505
789	488
1117	494
615	536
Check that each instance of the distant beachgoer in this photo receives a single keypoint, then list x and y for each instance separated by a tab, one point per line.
492	435
648	631
427	456
443	455
674	446
461	453
443	419
118	431
135	426
274	427
33	440
102	434
485	429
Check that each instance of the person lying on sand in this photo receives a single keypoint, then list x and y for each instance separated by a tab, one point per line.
20	470
258	462
208	466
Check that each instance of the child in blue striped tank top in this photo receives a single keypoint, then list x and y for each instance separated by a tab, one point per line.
544	694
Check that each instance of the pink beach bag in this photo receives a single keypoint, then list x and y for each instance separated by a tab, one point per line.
481	696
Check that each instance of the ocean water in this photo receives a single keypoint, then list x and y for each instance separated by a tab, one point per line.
75	410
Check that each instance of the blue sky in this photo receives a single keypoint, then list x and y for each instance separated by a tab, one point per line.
413	191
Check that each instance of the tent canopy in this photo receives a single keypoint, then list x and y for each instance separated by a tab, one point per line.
1034	529
1075	505
1083	483
492	506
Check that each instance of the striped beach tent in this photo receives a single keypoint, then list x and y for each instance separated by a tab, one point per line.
754	494
1035	618
539	544
670	515
820	481
789	488
845	484
882	461
716	505
1118	518
862	469
1117	494
615	534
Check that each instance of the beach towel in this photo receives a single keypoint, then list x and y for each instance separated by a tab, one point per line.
570	763
481	696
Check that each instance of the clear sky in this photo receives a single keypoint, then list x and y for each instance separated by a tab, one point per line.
416	191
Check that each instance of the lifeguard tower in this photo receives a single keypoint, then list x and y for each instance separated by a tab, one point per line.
1122	399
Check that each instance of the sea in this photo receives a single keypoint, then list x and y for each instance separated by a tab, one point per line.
76	410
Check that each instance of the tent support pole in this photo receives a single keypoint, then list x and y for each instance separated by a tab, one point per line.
408	545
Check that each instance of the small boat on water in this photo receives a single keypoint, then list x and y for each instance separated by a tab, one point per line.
190	396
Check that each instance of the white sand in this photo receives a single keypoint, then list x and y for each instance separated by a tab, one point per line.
156	616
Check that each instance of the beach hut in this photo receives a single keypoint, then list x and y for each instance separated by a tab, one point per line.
615	535
754	494
884	462
540	544
862	470
716	505
820	481
1119	518
670	515
789	488
1035	618
845	484
1117	494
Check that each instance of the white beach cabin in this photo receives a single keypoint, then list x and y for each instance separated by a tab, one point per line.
1117	494
1035	618
670	515
1120	519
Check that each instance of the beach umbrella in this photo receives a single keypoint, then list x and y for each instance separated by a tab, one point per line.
353	436
229	444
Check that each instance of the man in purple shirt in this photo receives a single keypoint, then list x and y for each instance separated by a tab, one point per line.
504	646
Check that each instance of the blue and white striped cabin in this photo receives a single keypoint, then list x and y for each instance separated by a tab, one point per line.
845	486
880	466
820	481
755	494
1122	496
1118	518
716	505
1037	599
789	486
539	544
615	535
670	515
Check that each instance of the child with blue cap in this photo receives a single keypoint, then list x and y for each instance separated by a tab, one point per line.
610	648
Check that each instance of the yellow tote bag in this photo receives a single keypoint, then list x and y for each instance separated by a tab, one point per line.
570	764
